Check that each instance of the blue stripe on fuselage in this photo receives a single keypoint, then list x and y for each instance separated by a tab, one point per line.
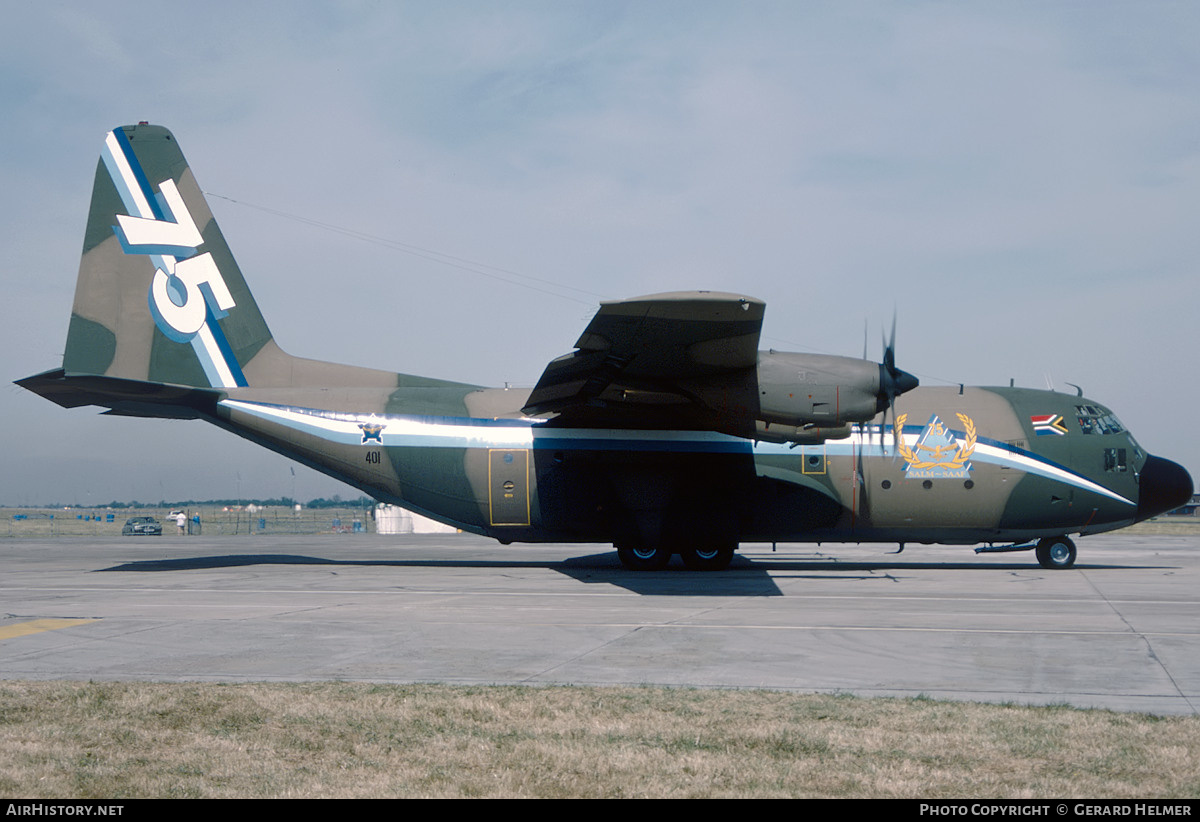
404	430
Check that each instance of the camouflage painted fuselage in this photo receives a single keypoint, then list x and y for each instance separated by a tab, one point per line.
976	465
666	427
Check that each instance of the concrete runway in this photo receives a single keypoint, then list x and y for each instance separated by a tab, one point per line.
1120	631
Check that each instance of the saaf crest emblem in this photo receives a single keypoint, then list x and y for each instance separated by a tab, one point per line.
938	454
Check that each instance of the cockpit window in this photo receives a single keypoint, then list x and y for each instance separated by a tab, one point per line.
1093	420
1114	460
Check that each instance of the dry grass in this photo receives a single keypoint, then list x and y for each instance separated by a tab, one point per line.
126	740
1165	526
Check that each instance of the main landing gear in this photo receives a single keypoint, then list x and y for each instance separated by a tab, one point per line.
1055	552
642	558
708	558
704	558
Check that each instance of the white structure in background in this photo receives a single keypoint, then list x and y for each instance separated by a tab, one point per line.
392	519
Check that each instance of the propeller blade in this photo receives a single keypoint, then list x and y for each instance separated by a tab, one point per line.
895	433
892	383
860	479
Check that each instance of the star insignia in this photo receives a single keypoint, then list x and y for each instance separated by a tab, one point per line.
372	431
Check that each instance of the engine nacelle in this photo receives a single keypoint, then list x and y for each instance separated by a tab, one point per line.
805	390
816	389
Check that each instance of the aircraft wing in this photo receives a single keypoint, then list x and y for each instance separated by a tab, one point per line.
682	359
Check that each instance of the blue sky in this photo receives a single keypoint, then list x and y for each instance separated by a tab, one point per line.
1019	181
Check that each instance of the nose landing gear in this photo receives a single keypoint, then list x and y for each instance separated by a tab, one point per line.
1055	553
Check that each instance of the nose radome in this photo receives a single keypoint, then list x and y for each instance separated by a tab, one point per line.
1162	486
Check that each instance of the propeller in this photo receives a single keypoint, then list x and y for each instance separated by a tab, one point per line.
892	383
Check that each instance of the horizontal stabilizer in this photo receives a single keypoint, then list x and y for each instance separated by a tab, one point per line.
133	398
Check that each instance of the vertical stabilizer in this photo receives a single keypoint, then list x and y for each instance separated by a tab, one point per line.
159	296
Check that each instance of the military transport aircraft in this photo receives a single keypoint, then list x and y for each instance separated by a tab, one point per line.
666	431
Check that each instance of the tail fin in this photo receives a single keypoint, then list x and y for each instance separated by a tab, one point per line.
159	296
163	321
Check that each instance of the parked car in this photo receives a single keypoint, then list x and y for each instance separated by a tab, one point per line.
141	527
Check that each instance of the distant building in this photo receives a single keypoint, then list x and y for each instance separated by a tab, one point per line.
392	519
1188	510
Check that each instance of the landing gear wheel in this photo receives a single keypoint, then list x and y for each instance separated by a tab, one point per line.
1056	552
709	557
643	558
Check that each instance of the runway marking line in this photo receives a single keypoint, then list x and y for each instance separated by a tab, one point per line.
37	626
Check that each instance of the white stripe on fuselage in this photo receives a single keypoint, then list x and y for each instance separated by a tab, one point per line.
455	432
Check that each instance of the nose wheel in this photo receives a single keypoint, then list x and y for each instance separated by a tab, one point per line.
1055	553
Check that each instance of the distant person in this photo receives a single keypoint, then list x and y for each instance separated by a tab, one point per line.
180	520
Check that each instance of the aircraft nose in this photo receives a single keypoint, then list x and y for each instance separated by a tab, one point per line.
1162	486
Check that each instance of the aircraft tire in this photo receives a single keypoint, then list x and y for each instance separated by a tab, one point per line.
1056	553
643	558
708	557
